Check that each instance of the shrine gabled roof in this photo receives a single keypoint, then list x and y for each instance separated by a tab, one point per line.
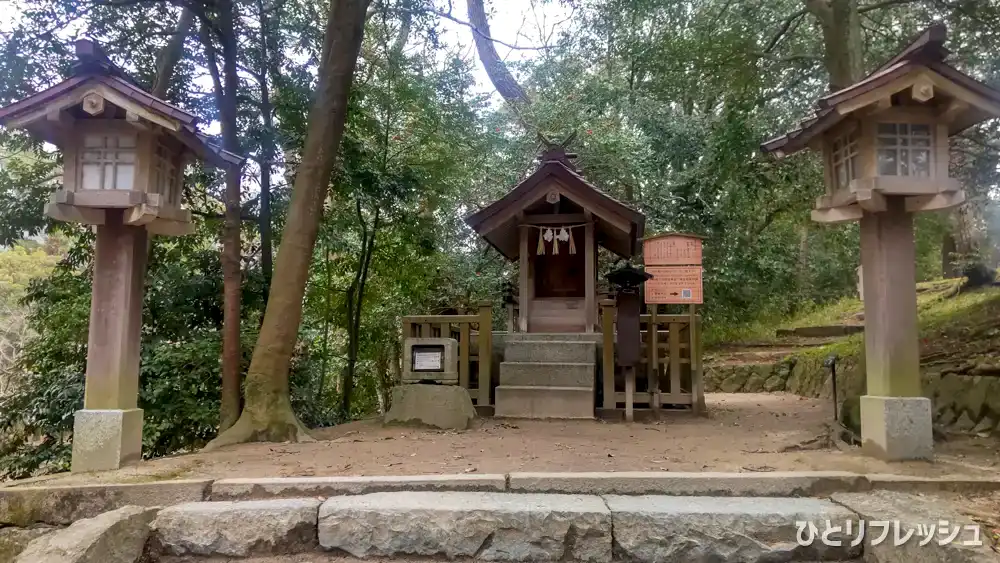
94	71
923	56
620	225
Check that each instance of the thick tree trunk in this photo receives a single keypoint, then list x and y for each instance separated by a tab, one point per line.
843	48
171	55
232	277
496	69
267	414
268	148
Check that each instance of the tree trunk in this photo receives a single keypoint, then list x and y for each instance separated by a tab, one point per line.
496	69
267	414
355	305
948	250
268	148
843	48
232	279
171	54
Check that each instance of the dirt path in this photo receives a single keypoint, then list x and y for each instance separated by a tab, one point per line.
746	432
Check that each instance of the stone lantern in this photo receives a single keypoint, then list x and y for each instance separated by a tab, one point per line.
884	142
124	154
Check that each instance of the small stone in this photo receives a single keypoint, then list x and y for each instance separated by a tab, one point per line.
238	529
113	537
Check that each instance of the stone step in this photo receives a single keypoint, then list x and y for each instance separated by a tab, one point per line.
532	374
554	527
555	351
517	401
594	337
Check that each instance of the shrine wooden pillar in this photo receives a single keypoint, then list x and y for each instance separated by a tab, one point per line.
590	270
524	289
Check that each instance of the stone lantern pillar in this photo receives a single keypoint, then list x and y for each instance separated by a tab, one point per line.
124	153
885	148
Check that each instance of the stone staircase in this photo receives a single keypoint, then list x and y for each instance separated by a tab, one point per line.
547	375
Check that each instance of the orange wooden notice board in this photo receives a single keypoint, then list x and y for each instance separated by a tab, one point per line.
674	284
671	250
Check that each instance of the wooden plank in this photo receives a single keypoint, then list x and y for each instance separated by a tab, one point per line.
425	330
485	351
629	393
464	338
608	359
523	282
697	383
653	355
445	330
555	219
407	329
590	271
663	398
510	317
675	357
420	319
666	319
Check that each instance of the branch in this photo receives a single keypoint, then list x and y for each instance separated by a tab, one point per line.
885	4
785	26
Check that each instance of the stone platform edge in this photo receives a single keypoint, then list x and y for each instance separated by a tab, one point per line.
64	504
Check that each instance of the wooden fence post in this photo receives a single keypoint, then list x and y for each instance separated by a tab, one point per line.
608	359
464	336
485	351
653	363
694	350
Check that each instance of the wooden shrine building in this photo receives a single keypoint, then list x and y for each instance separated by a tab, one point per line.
552	223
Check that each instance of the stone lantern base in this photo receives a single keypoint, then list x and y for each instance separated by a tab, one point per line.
106	439
896	428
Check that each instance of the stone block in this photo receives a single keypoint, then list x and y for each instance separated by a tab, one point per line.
704	529
238	529
118	536
14	540
774	383
294	487
547	374
735	382
104	440
484	526
913	512
440	406
24	506
532	401
896	428
772	484
448	362
913	484
550	351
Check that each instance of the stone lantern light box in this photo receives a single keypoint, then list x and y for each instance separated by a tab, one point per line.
123	149
888	135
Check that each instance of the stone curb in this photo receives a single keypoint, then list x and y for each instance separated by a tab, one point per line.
62	505
776	484
292	487
118	536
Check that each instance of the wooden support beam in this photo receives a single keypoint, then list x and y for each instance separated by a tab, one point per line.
590	271
675	358
485	352
608	352
556	219
524	297
653	366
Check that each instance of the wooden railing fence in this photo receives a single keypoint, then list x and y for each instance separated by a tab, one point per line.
669	373
474	334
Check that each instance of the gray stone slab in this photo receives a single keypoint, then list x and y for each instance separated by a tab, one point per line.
550	351
61	505
911	483
292	487
118	536
485	526
717	529
918	516
771	484
238	529
14	540
438	406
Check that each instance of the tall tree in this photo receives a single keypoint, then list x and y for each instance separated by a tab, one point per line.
267	414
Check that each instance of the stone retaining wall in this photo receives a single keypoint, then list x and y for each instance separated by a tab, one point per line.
962	403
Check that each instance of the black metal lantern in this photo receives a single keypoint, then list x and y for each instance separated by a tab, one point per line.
627	281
